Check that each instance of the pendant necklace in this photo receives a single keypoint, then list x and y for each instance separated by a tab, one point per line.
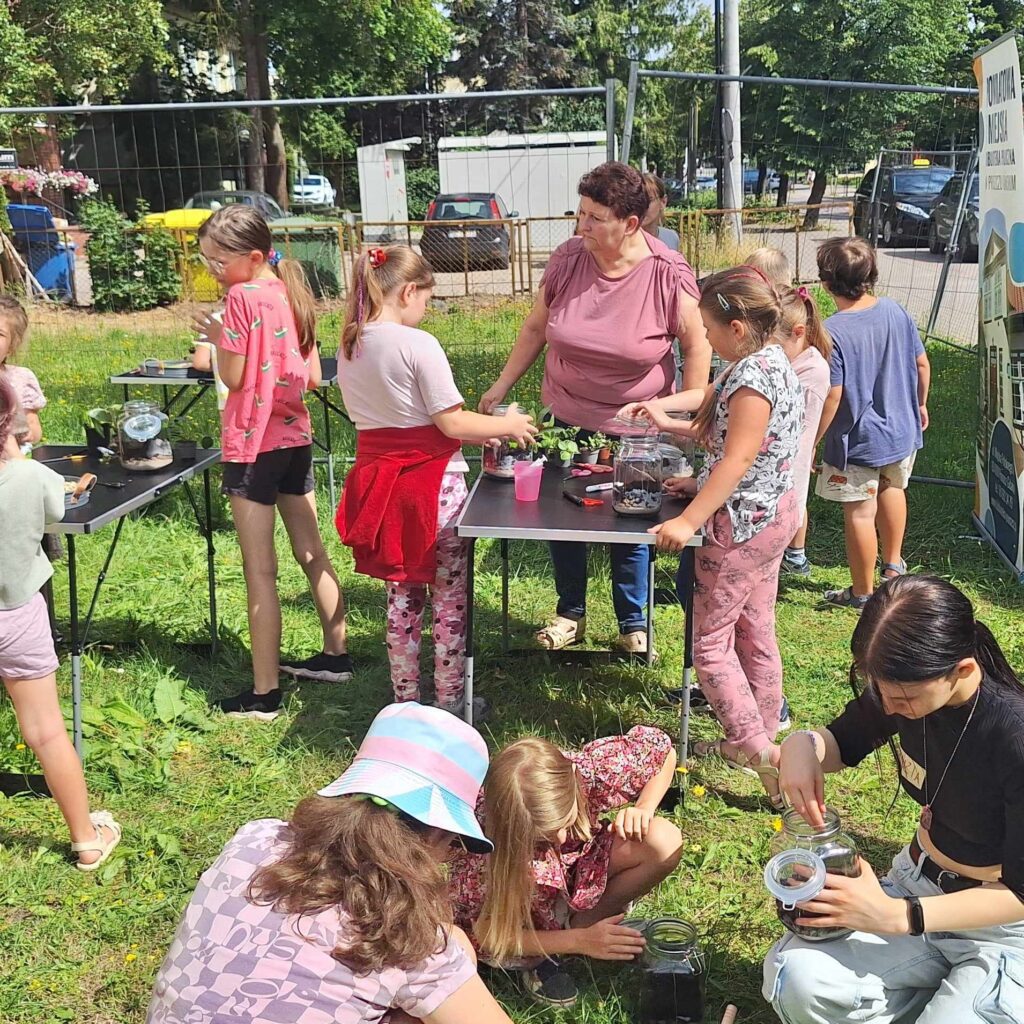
926	811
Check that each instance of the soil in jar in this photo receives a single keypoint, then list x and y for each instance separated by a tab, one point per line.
673	994
637	501
838	861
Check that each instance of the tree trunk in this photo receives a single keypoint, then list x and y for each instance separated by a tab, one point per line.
783	197
277	166
254	173
816	196
762	177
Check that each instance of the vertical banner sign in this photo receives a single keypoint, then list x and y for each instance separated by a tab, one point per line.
1000	455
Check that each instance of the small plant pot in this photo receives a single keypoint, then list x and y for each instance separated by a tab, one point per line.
586	458
96	439
604	457
555	459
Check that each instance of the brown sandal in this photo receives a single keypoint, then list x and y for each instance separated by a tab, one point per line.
561	632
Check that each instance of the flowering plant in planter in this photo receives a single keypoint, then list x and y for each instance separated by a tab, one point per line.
32	181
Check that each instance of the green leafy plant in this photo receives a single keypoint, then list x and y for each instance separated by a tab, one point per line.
161	256
595	442
559	442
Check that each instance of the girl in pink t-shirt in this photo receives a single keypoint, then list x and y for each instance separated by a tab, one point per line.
267	357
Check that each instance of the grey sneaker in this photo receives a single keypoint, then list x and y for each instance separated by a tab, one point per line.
795	567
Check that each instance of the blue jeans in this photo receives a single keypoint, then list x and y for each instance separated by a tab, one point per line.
630	568
968	977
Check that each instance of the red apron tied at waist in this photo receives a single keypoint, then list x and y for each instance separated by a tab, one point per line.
388	509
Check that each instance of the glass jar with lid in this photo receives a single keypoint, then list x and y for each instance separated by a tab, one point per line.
143	444
637	476
803	854
498	461
674	972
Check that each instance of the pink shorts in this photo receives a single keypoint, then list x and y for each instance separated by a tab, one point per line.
26	643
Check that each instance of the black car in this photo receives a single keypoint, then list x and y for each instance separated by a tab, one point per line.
469	233
940	224
903	201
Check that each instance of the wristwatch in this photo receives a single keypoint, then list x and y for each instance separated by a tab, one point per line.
915	914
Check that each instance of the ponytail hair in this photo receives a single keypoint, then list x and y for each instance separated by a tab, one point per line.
744	294
918	628
374	863
531	793
378	273
240	228
800	310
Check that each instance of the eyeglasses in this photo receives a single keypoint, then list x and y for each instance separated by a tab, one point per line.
218	266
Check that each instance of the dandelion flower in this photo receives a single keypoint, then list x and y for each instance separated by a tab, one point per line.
776	824
695	848
698	791
19	746
683	770
129	957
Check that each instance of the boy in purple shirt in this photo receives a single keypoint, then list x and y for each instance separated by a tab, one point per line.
880	376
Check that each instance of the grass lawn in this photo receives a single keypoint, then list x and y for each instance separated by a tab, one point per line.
181	779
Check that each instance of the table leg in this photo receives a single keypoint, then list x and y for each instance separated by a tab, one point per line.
470	582
504	595
76	646
211	578
125	392
684	714
650	606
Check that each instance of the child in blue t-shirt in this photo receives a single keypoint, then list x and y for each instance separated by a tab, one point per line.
880	376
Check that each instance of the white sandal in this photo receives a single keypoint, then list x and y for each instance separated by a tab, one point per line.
759	766
561	632
99	819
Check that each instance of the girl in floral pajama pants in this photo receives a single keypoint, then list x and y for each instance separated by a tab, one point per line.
406	603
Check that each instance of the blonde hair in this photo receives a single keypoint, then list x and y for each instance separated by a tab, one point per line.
531	792
745	294
773	264
239	229
14	313
374	863
377	273
800	310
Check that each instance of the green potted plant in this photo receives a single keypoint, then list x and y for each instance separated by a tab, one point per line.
596	448
558	444
99	425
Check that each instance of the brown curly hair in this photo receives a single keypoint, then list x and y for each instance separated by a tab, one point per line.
373	863
847	266
619	187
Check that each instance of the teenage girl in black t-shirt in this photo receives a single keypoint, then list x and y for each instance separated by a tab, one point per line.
940	940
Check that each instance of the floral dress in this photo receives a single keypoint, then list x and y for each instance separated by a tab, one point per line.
752	506
613	771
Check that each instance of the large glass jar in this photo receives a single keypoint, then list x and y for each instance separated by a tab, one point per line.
637	476
674	974
837	852
498	461
142	439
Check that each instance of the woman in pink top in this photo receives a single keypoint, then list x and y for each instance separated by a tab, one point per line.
612	300
267	357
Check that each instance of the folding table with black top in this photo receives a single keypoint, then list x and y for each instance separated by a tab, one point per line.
117	493
491	511
176	390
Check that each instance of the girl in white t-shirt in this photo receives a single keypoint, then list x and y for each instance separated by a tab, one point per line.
404	492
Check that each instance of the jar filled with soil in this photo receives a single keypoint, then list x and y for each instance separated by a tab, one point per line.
674	974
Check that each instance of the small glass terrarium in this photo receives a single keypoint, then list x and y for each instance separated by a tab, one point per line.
803	854
143	444
498	461
637	477
674	972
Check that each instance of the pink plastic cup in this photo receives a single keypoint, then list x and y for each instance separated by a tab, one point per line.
528	477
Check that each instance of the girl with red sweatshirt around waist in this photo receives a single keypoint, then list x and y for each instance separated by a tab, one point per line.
403	495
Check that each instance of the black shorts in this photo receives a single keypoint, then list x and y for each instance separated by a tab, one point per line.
285	471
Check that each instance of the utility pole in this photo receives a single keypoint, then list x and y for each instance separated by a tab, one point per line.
716	119
730	131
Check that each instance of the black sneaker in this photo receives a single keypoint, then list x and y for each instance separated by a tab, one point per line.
795	567
785	722
325	668
549	984
249	704
698	699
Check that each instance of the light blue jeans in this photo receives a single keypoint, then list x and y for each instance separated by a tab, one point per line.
970	977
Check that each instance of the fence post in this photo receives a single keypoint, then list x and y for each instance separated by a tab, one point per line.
609	117
529	253
627	127
511	253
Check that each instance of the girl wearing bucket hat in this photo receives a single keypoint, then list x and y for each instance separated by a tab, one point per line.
342	913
